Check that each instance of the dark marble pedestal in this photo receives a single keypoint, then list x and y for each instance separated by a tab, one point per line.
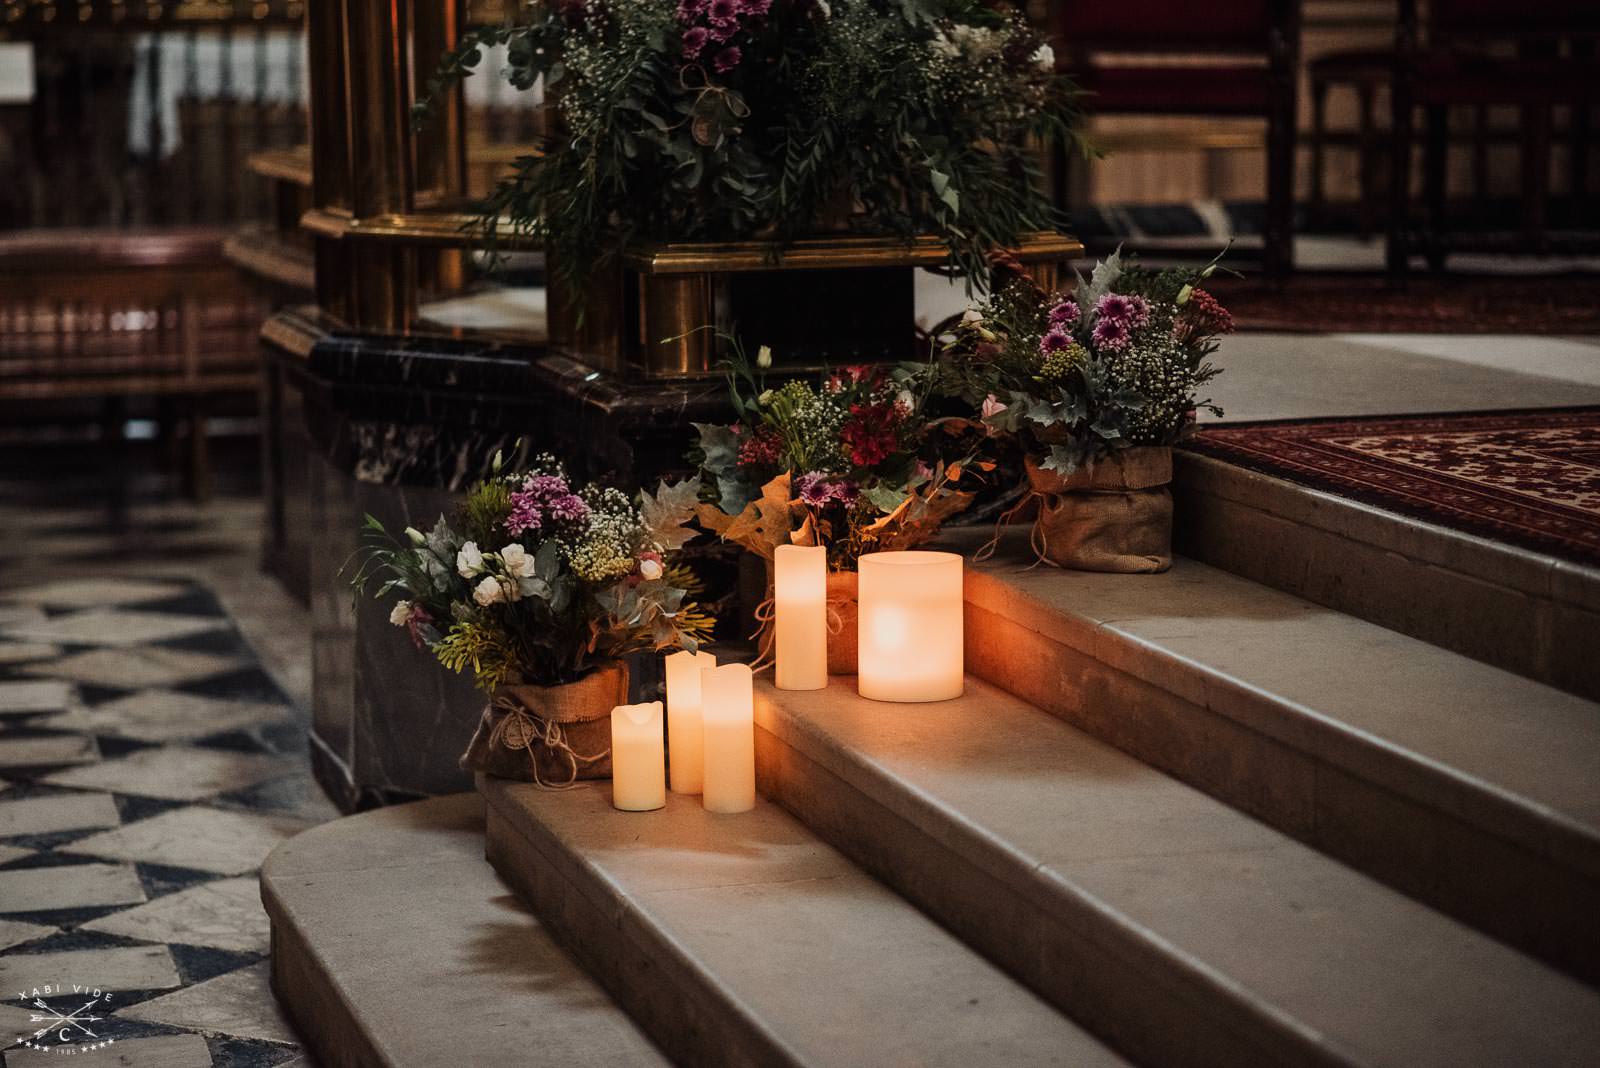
398	427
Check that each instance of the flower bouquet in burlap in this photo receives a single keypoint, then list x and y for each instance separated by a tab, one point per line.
1094	386
541	588
847	462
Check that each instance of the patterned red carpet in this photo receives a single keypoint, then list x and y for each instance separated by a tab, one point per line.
1430	304
1528	478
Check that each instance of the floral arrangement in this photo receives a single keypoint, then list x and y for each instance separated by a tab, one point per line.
543	578
844	462
1116	362
712	120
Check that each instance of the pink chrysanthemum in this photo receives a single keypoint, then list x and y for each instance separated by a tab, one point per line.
727	59
1055	341
1128	309
694	41
1110	335
1064	314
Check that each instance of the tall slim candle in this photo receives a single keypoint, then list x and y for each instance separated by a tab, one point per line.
638	761
685	734
910	627
800	612
727	705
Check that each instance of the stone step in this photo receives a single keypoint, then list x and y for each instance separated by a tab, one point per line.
1470	787
746	940
1511	607
394	944
1178	929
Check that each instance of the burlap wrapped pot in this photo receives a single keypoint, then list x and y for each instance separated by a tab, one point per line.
550	735
1115	516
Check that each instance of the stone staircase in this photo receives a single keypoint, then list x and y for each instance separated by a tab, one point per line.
1187	819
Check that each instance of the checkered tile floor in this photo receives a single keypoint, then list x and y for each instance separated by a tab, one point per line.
147	766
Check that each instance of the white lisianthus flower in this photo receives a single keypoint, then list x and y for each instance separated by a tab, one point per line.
650	570
1045	58
469	561
518	562
1184	294
418	538
489	592
764	357
765	398
400	613
972	315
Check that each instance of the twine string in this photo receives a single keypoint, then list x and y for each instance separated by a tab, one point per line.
521	729
766	633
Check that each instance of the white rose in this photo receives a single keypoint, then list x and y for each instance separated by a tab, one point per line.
518	562
651	570
469	561
400	613
489	592
1045	57
764	357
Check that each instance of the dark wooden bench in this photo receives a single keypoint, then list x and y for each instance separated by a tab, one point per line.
116	315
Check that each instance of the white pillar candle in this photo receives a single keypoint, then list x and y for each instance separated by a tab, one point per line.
800	616
729	713
638	760
685	734
910	632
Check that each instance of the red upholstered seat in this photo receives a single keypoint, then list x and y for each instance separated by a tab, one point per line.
1208	90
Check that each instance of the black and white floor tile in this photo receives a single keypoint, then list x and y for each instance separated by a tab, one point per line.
147	766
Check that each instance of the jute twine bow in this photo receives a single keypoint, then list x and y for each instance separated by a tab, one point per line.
521	729
707	96
1036	536
765	635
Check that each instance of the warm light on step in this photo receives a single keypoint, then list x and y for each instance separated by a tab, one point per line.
727	703
800	611
910	629
638	760
685	731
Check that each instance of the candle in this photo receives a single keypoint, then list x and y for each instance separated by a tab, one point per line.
685	736
638	761
800	610
910	627
730	738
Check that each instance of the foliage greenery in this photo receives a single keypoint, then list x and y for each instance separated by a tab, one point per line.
690	120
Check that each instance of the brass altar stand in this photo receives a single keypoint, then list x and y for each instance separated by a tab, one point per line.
376	408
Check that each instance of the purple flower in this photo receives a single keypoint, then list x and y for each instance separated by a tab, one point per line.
1129	310
723	11
694	40
1064	314
727	59
689	10
570	508
542	498
818	490
1055	341
757	7
1110	335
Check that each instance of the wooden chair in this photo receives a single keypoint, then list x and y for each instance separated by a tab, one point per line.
1173	57
1483	53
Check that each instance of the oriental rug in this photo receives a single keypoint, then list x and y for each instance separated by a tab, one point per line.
1525	478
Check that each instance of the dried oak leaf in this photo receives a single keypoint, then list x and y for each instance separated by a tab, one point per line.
765	523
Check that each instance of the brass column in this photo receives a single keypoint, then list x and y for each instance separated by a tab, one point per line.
367	59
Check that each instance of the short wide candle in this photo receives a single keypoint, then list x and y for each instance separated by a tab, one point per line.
912	645
727	704
800	616
638	761
685	733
